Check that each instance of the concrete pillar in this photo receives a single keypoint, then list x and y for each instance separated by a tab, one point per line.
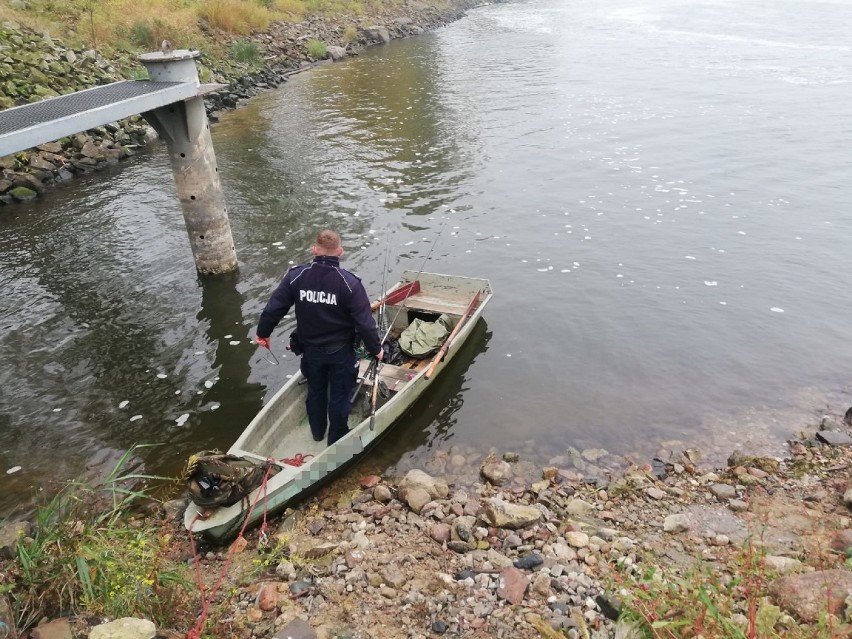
186	131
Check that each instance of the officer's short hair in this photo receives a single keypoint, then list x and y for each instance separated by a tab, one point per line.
328	240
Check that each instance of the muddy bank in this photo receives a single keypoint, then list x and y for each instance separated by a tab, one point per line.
36	66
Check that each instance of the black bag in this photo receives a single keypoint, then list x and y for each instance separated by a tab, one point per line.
295	343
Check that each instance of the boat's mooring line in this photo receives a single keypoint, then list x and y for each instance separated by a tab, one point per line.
206	600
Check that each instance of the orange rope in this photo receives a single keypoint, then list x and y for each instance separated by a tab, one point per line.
206	601
298	459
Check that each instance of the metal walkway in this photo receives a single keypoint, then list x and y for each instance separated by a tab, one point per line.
26	126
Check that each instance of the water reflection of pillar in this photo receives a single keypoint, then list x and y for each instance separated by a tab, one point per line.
239	400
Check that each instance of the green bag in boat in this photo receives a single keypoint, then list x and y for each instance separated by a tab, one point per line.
422	339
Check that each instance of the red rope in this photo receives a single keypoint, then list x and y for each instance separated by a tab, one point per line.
298	459
206	601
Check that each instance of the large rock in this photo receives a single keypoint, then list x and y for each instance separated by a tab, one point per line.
9	536
436	488
377	33
56	629
505	515
336	53
496	471
807	595
417	498
512	585
125	628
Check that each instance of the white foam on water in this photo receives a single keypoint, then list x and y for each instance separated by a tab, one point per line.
135	418
180	421
13	470
123	403
775	309
711	283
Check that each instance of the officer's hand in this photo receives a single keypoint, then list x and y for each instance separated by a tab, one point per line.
262	341
380	355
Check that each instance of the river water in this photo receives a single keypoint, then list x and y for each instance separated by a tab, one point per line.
658	192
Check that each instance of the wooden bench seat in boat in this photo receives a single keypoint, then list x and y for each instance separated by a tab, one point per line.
396	377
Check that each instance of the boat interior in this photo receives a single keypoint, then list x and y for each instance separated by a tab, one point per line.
283	433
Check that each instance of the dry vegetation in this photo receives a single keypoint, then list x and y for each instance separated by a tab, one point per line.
143	24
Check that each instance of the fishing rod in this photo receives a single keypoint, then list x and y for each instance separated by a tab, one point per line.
375	362
377	365
416	277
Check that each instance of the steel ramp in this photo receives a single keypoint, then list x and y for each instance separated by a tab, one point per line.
27	126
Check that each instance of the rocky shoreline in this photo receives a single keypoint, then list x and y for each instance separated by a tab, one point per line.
520	553
36	66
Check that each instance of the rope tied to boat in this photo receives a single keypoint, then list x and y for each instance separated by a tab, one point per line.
299	459
207	600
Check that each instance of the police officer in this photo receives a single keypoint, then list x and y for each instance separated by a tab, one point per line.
331	306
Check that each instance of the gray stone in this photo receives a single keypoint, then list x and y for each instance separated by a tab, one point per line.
56	629
9	535
436	488
676	523
393	576
377	33
723	491
296	629
336	53
579	508
834	438
738	505
125	628
382	494
577	539
781	565
416	498
497	559
655	493
506	515
496	471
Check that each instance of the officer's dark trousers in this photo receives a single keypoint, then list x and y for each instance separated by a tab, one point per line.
331	380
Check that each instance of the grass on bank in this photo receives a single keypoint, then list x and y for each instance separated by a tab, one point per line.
87	552
145	24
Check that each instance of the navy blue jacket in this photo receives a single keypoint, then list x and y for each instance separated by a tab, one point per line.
331	305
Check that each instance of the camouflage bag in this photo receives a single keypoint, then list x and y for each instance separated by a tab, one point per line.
421	339
215	479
